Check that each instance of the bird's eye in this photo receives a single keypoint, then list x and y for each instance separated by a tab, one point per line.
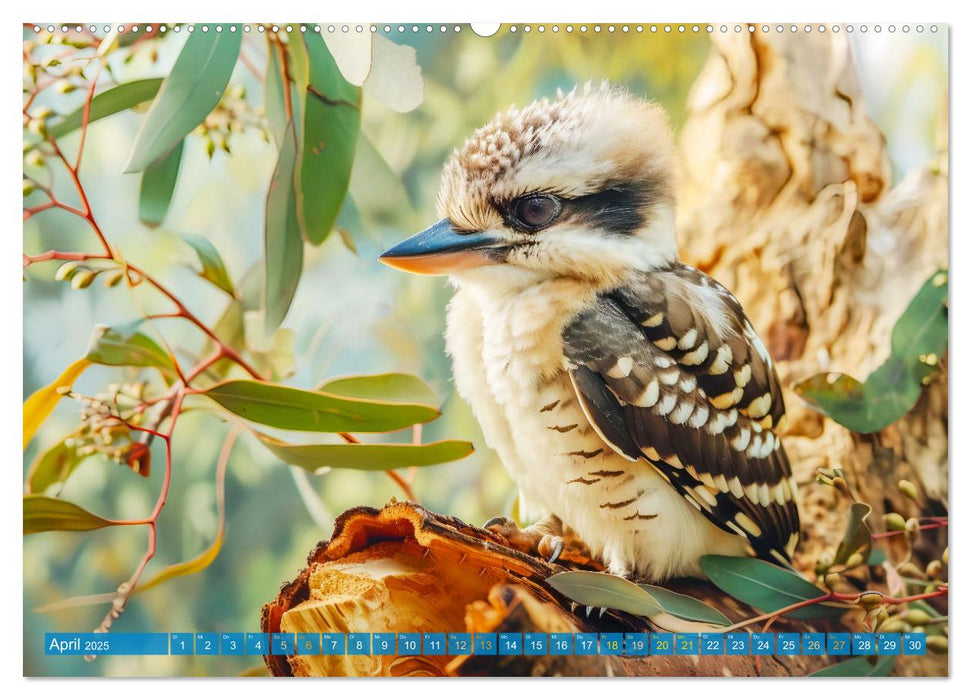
536	211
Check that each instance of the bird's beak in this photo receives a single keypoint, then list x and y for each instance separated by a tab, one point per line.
439	250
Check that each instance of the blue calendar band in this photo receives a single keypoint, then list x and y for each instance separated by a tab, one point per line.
485	644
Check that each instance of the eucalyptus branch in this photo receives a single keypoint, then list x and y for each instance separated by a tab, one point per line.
835	597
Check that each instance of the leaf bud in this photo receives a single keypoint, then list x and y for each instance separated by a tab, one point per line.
908	568
915	616
894	624
66	271
83	278
113	277
894	521
37	125
880	616
870	599
908	489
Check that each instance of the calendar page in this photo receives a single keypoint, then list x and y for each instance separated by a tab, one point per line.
409	349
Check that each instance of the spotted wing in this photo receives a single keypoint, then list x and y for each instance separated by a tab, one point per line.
670	370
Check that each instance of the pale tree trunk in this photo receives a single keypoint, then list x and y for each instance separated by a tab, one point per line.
785	197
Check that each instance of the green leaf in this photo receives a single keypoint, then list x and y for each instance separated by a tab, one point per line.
213	268
40	404
43	514
297	409
276	360
331	122
857	538
766	586
394	386
190	92
378	457
857	668
274	101
126	346
53	466
684	606
104	104
919	336
601	590
158	184
282	242
378	192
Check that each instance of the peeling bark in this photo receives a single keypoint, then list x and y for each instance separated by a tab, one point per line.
405	569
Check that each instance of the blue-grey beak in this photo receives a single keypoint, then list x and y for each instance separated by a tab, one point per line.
439	250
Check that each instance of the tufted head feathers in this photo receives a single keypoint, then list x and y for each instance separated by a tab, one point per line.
579	186
584	142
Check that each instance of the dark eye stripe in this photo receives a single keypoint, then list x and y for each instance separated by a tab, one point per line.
619	210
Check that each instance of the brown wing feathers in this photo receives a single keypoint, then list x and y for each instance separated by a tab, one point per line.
671	369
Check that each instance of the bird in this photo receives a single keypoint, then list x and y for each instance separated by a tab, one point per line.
626	392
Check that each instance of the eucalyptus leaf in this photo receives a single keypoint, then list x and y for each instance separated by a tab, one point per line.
352	53
185	568
53	466
859	667
766	586
857	538
288	408
331	121
126	346
277	359
158	184
602	590
104	104
379	194
918	341
393	386
374	457
40	404
274	100
43	514
213	267
187	96
282	242
684	606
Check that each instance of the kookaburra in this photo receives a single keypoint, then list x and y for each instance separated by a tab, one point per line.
626	392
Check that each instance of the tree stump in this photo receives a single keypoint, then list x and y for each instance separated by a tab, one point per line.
406	569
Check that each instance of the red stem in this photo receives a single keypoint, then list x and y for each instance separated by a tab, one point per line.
833	596
935	524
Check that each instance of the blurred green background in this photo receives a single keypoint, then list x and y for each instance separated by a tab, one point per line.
351	315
